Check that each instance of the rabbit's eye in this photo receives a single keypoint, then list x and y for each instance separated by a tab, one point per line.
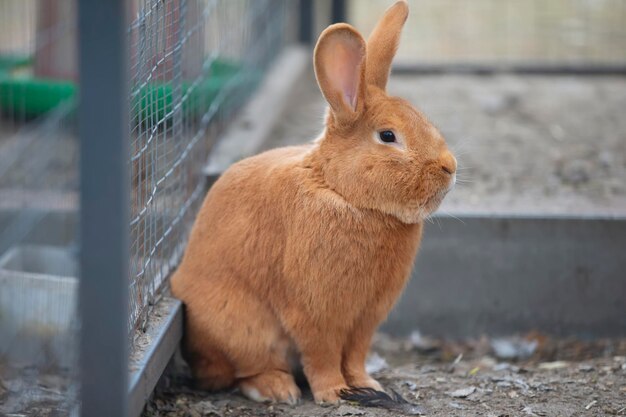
387	136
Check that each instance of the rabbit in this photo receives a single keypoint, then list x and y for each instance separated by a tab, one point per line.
299	253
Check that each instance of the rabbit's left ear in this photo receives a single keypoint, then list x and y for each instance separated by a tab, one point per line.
340	69
383	44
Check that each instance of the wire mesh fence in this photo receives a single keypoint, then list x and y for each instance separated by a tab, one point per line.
193	64
38	207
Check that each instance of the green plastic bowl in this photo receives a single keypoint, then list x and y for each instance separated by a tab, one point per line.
32	97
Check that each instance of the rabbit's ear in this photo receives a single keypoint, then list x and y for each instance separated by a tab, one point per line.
383	44
340	69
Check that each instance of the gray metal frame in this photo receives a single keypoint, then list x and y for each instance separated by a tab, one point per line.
494	68
164	339
338	11
306	21
104	207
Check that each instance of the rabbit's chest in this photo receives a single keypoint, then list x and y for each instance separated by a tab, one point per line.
353	256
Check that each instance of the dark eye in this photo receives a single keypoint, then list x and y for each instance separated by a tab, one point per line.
387	136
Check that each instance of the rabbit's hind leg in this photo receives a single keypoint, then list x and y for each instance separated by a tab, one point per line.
265	371
213	371
239	341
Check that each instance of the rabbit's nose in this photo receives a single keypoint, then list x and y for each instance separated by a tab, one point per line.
448	162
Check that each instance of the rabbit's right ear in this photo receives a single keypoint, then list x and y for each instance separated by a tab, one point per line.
383	43
340	70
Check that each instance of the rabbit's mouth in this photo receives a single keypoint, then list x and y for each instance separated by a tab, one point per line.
434	202
418	212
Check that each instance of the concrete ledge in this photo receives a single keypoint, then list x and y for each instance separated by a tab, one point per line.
500	274
490	68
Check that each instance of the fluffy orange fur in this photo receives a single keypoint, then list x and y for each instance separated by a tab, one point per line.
299	253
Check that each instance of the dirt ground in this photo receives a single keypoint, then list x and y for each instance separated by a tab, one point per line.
525	143
29	391
525	376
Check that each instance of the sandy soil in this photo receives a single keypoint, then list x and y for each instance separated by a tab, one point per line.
439	378
554	144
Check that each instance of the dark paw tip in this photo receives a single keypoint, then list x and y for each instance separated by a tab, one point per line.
369	397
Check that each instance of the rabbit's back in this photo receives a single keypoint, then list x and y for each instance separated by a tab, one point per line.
305	249
241	224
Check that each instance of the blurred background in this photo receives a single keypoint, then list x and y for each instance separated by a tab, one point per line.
523	265
507	83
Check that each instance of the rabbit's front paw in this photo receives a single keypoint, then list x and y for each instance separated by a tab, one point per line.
329	395
365	382
271	386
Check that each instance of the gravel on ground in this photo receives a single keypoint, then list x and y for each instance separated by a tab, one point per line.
529	375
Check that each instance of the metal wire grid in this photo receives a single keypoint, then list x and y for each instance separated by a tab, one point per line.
37	39
506	32
193	63
38	152
38	206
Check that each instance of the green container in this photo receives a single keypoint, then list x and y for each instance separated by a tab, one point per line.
155	101
32	97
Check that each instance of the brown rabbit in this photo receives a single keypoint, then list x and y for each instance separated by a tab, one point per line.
300	252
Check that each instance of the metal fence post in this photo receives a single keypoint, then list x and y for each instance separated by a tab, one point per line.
338	13
305	29
104	133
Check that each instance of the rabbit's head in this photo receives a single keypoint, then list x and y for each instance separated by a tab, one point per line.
378	152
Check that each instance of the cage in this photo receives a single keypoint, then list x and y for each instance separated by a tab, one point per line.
189	68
